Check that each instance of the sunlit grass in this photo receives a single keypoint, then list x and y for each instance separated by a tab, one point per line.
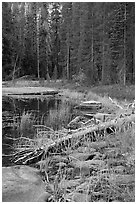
59	117
26	124
78	97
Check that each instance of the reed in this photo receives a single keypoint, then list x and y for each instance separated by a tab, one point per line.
26	124
60	117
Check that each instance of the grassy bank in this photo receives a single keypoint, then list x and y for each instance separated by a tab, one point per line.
114	91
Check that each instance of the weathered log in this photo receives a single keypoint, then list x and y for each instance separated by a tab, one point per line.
89	105
116	124
36	93
103	116
28	91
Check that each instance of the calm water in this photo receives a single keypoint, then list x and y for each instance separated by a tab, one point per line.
13	109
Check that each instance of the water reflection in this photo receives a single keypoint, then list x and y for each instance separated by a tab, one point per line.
12	114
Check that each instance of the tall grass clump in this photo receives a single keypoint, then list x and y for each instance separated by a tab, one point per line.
108	105
73	96
127	141
59	117
26	124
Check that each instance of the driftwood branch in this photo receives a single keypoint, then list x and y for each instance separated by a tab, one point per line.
44	127
115	103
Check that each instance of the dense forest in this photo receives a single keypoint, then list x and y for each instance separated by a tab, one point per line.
91	42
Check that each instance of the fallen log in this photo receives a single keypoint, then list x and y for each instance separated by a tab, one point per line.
76	139
117	124
89	105
7	91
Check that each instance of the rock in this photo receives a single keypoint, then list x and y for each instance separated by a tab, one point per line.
98	156
119	169
80	156
44	197
88	164
101	200
82	188
21	184
84	171
58	158
96	162
69	183
88	156
76	172
81	197
121	179
92	150
131	159
98	145
86	150
112	153
115	162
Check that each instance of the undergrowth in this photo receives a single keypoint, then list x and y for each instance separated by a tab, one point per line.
106	175
110	183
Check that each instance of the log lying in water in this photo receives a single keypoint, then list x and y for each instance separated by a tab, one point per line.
28	91
74	140
36	93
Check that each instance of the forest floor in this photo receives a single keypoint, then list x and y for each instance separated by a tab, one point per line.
100	171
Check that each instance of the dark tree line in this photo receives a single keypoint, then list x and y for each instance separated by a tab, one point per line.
91	42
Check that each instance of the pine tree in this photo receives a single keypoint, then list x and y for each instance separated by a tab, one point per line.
86	44
66	38
7	29
45	44
90	41
55	37
75	37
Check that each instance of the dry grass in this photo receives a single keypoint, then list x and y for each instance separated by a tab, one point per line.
108	106
91	184
26	124
101	185
59	118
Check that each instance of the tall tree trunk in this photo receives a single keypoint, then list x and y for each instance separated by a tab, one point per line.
14	70
68	57
92	51
47	74
68	62
124	67
37	10
103	50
